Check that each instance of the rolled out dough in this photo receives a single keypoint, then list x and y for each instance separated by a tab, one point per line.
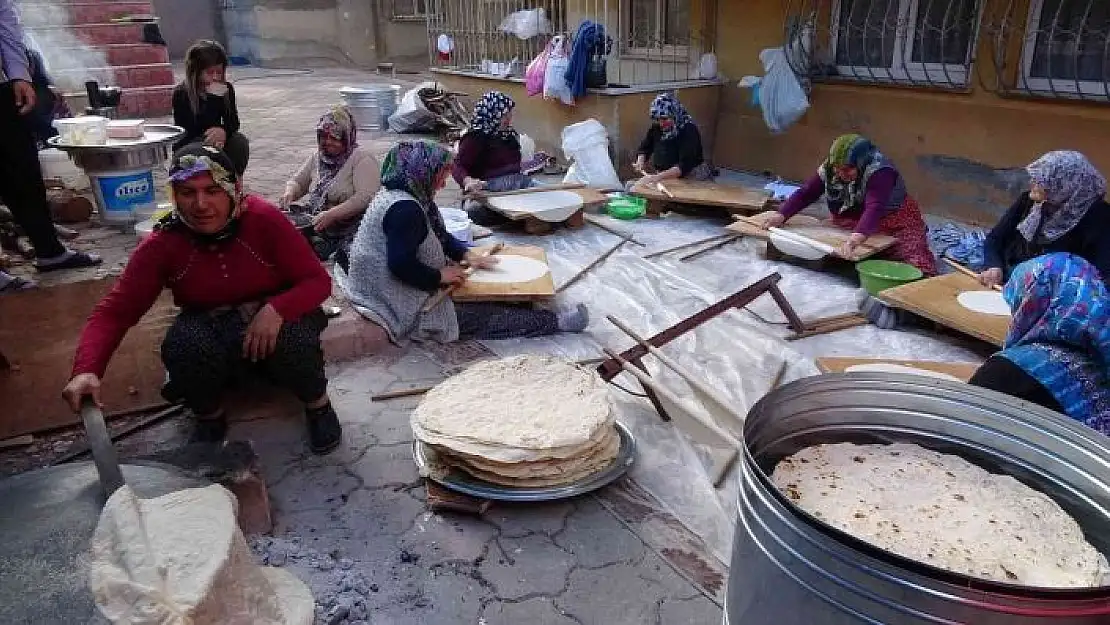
511	268
942	510
890	367
985	302
544	205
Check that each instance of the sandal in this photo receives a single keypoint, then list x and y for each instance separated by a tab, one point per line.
74	260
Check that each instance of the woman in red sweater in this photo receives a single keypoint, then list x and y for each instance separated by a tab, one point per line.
249	287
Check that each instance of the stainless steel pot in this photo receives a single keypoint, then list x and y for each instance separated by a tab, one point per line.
789	568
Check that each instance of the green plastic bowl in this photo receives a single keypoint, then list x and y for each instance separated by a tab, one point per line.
627	207
879	275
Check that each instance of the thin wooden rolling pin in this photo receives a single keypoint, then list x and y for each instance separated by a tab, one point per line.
438	298
967	272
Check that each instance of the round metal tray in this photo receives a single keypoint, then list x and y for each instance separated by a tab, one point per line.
466	484
156	134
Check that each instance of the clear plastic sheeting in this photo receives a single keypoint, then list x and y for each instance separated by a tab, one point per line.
737	353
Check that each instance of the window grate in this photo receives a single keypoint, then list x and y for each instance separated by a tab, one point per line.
1056	49
924	43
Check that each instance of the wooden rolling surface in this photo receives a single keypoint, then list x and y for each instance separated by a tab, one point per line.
702	193
935	299
814	229
535	290
961	370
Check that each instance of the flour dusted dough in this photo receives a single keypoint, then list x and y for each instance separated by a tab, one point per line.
984	302
944	511
522	402
180	559
510	268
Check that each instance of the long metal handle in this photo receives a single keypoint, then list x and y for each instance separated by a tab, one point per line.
102	447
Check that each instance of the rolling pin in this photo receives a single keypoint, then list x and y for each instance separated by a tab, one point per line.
967	272
437	299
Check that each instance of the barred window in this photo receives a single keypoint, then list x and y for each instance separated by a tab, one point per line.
914	41
658	23
410	9
1067	47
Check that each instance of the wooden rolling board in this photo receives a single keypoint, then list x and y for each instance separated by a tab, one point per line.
935	299
733	198
961	370
536	290
815	229
591	198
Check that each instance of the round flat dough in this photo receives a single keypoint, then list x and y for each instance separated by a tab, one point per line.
511	268
502	455
890	367
544	205
569	473
985	302
793	248
544	468
944	511
523	402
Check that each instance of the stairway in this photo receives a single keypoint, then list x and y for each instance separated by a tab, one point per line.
81	42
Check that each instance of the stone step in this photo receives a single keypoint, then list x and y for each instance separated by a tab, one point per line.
95	35
125	77
81	12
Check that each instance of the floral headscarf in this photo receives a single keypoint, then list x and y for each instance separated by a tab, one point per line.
339	124
194	160
1072	185
490	109
856	151
666	105
412	167
1060	333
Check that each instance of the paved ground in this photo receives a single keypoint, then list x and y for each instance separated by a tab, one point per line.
354	523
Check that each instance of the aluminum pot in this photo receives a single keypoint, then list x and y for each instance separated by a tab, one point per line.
789	568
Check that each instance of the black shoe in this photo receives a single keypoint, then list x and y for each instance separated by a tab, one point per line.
209	430
324	431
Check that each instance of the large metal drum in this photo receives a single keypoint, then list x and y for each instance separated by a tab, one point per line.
789	568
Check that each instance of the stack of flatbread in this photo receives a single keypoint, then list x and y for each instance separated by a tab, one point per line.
524	421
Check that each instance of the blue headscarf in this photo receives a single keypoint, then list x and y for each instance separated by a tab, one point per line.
666	105
1060	333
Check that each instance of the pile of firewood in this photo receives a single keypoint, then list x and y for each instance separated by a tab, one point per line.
452	118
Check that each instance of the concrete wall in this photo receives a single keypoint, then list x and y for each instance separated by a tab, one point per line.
182	22
625	116
958	151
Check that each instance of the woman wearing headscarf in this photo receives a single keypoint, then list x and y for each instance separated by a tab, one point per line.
488	156
328	196
865	194
204	104
249	288
403	254
672	144
1065	210
1057	352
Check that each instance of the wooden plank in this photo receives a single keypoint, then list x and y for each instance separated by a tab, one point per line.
591	198
539	289
935	299
703	193
39	333
961	370
815	229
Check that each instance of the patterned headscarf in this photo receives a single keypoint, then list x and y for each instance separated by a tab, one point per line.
666	105
412	167
196	159
490	109
1060	333
856	151
339	124
1072	185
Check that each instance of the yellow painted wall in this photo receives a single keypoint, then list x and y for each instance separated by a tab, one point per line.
949	146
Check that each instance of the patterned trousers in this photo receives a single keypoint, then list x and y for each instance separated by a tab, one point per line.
494	322
203	356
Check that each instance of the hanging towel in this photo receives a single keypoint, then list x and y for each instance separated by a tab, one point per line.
589	41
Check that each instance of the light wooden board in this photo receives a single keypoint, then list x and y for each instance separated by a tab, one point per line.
814	229
961	370
704	193
935	299
39	333
591	198
535	290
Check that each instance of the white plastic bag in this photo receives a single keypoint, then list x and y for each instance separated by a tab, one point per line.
526	24
780	94
586	145
411	115
527	148
554	76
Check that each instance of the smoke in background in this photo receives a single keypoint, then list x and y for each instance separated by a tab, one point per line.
69	61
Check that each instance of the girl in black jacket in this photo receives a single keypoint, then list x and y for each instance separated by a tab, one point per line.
204	104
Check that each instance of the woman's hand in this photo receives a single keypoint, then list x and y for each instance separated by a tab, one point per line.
262	334
215	137
287	198
478	261
847	250
639	165
81	386
774	220
452	275
473	185
991	277
323	220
